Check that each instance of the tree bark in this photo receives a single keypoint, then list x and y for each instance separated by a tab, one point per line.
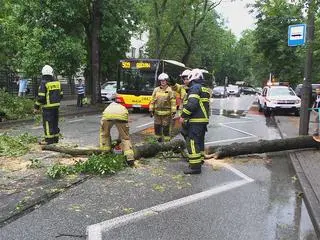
146	150
262	146
95	49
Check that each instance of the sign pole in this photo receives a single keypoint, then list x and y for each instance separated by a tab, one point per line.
306	88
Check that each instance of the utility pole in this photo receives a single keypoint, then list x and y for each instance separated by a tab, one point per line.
306	88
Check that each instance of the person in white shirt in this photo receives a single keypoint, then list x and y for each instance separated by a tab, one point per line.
316	108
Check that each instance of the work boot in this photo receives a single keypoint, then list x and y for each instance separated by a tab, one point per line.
193	170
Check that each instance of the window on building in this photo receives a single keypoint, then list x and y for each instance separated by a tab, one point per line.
133	52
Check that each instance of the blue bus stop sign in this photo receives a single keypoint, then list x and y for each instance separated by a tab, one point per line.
297	35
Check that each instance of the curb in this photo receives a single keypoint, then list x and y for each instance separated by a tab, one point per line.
41	199
31	120
309	196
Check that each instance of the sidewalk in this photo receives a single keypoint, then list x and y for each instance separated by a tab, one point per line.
67	108
307	167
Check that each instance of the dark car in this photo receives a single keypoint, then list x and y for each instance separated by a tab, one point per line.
248	91
219	92
314	86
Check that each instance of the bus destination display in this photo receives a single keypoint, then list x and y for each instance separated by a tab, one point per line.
135	65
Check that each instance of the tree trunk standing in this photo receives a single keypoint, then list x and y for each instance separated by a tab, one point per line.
262	146
306	89
95	49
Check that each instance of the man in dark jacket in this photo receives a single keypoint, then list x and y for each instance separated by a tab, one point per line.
49	97
195	116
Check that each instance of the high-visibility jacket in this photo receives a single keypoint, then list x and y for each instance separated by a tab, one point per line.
196	109
163	101
115	111
180	94
49	94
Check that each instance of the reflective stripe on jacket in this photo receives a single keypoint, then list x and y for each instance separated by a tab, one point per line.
49	94
163	101
196	109
115	111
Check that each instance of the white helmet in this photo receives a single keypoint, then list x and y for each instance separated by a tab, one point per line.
47	70
185	73
195	74
163	76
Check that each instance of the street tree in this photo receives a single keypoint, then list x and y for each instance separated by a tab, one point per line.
273	19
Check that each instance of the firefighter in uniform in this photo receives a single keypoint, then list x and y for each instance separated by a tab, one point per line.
180	94
163	108
184	77
49	97
195	116
116	114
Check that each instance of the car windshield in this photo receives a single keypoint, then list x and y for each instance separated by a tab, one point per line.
281	92
218	89
109	87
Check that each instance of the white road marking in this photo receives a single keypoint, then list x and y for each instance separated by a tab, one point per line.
240	122
94	232
237	172
37	127
143	125
76	120
238	130
229	140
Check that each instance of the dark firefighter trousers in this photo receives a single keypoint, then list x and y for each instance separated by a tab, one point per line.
50	119
194	137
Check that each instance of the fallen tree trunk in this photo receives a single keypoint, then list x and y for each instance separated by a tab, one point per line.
262	146
72	151
146	150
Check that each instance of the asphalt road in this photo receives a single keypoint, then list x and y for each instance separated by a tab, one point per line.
248	197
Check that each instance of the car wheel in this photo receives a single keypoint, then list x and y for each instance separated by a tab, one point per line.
297	113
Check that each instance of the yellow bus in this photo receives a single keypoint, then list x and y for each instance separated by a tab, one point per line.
137	79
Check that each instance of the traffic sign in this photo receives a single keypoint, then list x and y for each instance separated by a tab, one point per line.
297	34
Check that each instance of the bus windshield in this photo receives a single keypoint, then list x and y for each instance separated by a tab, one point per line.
137	76
136	80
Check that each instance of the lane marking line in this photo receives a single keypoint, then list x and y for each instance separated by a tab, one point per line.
238	130
143	125
229	140
37	127
237	172
94	232
240	122
76	120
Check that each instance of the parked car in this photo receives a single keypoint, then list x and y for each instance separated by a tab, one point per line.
259	90
109	91
219	92
298	90
248	91
233	90
278	98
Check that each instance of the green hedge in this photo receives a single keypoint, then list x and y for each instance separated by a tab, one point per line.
14	107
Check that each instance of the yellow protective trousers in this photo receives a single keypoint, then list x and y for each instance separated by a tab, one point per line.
162	127
123	129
